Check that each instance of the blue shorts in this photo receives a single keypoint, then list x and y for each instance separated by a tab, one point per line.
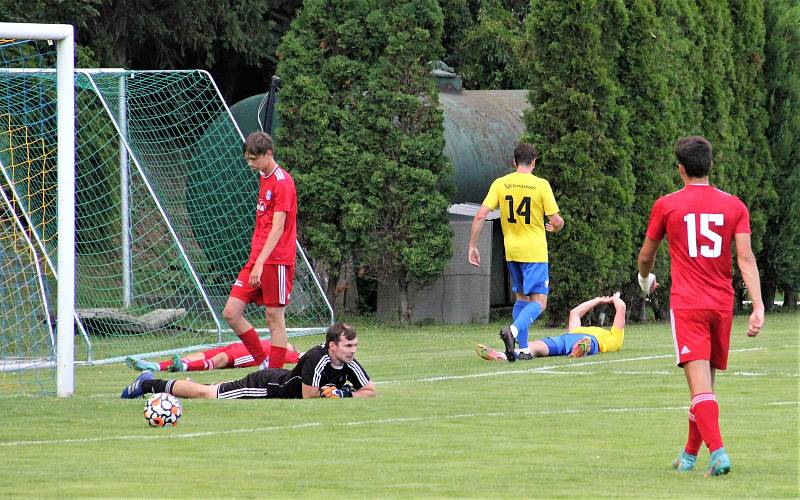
561	345
529	277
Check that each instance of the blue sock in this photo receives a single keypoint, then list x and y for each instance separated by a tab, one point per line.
519	305
528	315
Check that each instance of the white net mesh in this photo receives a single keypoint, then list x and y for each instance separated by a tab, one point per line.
164	206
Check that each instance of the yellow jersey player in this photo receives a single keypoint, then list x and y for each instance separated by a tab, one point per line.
524	200
579	340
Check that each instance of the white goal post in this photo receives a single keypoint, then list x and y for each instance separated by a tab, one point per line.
124	211
63	36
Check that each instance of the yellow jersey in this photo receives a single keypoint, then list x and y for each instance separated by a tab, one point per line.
607	340
524	200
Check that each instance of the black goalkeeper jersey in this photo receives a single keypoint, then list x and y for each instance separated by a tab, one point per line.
315	369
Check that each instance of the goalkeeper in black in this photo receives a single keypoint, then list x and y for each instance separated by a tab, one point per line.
328	371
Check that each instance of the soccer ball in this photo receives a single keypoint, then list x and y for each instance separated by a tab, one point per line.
162	410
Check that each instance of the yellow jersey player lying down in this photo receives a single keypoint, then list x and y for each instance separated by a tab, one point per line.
579	340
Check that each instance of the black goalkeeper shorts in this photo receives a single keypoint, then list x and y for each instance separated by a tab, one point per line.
268	383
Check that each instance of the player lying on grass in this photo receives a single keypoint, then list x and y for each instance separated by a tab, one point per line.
233	355
324	371
579	340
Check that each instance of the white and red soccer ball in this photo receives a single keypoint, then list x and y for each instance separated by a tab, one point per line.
162	410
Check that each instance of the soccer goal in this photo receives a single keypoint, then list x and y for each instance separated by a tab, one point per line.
163	208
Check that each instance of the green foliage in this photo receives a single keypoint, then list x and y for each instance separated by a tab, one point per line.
363	132
411	179
649	86
753	177
491	50
235	41
580	125
458	19
324	61
780	258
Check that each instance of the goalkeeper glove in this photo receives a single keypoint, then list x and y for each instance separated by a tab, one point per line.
646	284
333	392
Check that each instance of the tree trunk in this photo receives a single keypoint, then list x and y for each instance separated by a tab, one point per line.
789	299
768	294
346	290
402	298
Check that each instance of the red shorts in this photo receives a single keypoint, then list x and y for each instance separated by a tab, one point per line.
702	334
239	356
275	289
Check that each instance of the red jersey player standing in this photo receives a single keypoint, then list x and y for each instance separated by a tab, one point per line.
268	275
700	223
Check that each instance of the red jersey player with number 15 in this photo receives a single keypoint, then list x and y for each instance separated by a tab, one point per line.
268	275
700	223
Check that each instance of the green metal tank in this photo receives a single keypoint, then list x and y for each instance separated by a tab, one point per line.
481	128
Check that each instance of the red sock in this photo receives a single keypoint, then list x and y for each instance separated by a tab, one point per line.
695	440
251	340
292	357
706	412
199	365
164	365
277	357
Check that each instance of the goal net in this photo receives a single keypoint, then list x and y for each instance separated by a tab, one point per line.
163	213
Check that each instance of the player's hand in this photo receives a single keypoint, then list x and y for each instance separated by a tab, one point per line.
755	323
255	275
474	256
333	392
648	284
549	227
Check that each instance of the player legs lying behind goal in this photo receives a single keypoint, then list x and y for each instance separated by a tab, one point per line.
233	355
579	340
329	370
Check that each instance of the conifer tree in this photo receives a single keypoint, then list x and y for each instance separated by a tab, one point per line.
408	239
363	132
650	81
325	58
779	260
751	179
581	128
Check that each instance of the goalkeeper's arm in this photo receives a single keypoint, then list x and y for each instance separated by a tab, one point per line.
332	392
368	391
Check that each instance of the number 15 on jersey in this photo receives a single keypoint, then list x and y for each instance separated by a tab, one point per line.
706	220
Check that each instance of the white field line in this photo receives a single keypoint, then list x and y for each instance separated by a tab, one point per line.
380	421
542	369
562	369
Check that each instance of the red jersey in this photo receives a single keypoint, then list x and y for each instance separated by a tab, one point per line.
276	193
700	222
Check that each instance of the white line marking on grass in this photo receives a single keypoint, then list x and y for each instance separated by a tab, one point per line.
654	372
379	421
545	369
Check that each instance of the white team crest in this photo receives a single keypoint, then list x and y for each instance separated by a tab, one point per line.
268	196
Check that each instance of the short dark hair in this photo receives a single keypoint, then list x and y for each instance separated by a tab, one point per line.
525	154
695	154
334	332
257	143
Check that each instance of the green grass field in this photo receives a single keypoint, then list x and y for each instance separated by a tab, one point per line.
445	424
